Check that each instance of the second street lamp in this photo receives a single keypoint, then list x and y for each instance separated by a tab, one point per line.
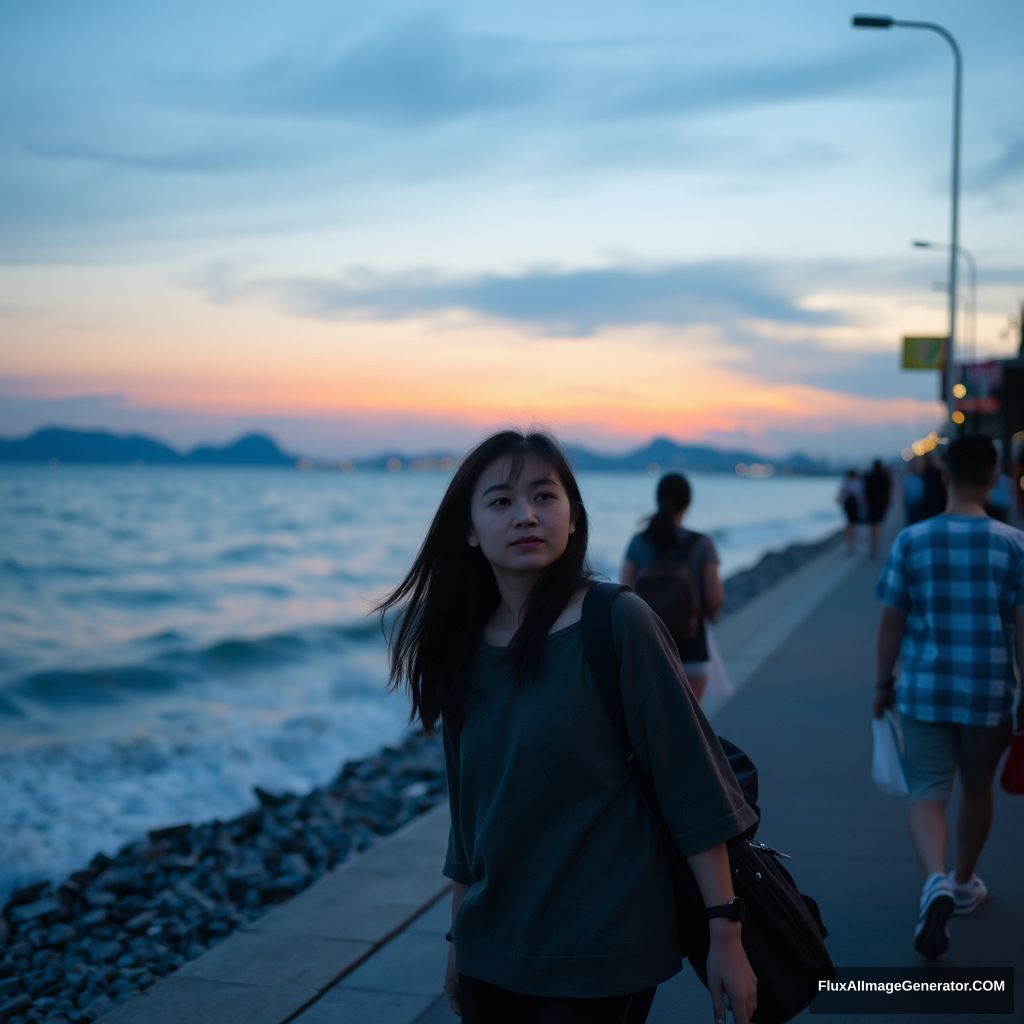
882	21
971	340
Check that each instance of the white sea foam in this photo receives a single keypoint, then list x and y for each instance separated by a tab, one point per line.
65	801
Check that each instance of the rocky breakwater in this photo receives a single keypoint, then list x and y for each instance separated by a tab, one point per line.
71	952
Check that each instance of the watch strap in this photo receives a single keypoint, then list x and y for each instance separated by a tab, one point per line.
734	910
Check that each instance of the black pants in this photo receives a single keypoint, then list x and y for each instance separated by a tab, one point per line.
484	1003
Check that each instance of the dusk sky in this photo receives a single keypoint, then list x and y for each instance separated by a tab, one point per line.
361	227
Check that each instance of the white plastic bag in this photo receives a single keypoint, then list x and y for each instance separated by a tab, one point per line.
886	755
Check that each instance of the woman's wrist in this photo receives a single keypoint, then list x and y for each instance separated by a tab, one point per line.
721	929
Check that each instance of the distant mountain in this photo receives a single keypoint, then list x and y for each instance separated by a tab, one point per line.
661	452
666	454
251	450
62	445
85	446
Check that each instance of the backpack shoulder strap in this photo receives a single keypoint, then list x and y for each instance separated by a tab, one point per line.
603	662
600	655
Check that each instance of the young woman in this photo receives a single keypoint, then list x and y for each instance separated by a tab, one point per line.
561	901
664	535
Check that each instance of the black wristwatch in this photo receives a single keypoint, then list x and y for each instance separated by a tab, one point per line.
734	910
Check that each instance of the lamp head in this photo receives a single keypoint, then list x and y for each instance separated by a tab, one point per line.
918	244
872	21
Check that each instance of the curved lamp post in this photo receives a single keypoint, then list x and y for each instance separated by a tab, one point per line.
883	21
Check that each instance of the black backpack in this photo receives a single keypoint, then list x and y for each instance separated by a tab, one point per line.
668	586
783	935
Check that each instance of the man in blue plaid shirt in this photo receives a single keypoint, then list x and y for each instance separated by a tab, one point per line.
953	590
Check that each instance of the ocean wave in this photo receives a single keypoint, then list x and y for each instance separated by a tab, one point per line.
126	597
9	709
66	687
254	552
50	569
180	665
64	800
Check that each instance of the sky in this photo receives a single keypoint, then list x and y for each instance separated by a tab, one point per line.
368	227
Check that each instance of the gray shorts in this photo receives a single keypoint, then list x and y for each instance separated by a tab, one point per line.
933	752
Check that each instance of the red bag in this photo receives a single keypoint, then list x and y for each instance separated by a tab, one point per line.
1012	779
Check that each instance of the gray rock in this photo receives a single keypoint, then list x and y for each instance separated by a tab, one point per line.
29	893
105	952
9	986
93	918
172	832
140	922
15	1005
44	910
60	935
99	900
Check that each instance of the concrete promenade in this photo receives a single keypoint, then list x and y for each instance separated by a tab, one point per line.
364	943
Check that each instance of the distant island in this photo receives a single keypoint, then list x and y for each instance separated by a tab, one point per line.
57	445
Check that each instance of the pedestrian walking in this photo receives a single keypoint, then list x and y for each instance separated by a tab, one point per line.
675	570
953	596
562	907
913	491
877	494
851	499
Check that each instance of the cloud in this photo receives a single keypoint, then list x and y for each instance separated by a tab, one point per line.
564	303
413	72
671	90
207	157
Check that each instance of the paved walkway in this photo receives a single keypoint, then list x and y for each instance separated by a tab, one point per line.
364	943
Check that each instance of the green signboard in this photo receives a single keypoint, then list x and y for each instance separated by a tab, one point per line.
924	353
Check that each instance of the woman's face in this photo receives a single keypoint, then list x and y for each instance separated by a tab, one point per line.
521	525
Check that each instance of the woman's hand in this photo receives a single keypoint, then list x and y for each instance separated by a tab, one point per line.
451	983
729	973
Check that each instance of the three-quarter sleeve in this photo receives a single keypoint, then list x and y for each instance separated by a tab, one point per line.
697	792
456	865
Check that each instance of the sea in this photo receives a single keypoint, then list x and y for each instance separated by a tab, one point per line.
172	637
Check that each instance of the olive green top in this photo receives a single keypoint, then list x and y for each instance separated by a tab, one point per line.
569	891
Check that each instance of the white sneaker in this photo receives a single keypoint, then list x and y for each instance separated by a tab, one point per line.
967	897
931	937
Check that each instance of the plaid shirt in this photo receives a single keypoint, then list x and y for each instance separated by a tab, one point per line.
960	580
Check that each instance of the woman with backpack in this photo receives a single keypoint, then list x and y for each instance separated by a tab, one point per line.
675	570
562	906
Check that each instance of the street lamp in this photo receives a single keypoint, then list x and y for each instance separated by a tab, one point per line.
884	21
972	267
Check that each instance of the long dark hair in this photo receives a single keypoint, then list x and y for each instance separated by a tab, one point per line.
673	496
450	592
